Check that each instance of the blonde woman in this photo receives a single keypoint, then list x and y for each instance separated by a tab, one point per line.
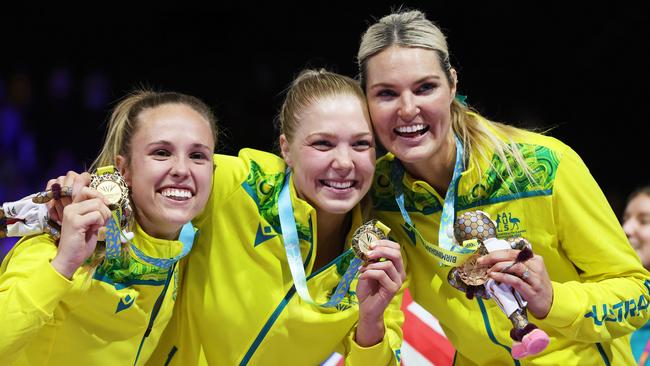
584	285
71	301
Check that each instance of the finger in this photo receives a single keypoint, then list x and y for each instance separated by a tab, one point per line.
85	207
394	255
86	193
80	181
525	289
503	255
382	278
385	243
91	221
387	267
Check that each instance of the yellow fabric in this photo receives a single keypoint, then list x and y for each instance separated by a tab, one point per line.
238	298
49	320
569	223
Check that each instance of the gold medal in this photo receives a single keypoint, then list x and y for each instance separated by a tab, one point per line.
365	235
474	225
110	183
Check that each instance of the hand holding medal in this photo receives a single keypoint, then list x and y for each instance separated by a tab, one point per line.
382	275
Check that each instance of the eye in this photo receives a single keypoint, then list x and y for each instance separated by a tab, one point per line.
198	156
425	88
322	145
362	145
386	93
161	153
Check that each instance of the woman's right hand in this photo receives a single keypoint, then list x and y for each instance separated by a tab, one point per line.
72	179
81	222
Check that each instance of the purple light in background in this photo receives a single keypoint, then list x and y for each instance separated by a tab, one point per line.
60	84
11	121
26	153
96	91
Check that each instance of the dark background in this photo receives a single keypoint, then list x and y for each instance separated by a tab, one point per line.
580	69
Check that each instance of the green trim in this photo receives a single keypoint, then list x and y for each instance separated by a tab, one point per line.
488	328
510	197
603	354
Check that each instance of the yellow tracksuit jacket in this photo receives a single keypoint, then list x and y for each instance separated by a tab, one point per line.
600	288
50	320
240	303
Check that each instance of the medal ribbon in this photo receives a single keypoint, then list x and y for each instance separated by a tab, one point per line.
447	253
294	257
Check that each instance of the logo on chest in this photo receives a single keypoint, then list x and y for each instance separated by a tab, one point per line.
125	303
508	225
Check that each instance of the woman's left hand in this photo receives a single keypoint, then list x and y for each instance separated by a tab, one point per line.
529	278
379	281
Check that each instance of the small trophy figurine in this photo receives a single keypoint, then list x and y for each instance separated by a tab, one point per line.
473	280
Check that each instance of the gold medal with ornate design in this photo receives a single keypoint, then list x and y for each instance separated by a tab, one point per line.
112	186
474	225
364	236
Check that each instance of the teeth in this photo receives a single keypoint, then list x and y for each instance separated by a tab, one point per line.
411	128
176	193
338	185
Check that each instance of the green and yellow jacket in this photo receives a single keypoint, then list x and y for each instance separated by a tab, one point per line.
600	289
50	320
239	305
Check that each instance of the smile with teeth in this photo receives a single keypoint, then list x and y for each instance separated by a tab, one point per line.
177	194
411	130
338	184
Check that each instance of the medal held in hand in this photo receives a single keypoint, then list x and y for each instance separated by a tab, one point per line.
474	225
110	183
372	230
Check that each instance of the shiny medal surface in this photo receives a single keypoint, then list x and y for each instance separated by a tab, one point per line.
112	186
474	225
364	236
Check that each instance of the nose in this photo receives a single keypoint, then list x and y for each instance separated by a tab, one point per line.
180	167
342	158
408	108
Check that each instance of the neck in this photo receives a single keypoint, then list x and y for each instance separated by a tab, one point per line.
332	230
436	170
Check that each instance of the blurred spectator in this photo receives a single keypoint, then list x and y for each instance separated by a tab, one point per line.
636	224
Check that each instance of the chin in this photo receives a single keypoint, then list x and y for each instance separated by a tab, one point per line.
412	154
338	207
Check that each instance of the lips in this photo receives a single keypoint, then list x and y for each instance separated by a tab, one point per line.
339	184
176	194
412	130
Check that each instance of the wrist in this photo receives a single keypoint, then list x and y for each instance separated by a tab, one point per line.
370	331
64	267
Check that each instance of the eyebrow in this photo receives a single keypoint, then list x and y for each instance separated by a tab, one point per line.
328	134
418	81
165	142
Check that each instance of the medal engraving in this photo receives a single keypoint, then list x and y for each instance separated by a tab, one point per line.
363	237
113	187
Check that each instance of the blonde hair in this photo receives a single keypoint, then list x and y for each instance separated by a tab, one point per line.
413	29
122	126
309	87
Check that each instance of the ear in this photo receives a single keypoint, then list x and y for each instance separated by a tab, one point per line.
123	168
284	148
454	86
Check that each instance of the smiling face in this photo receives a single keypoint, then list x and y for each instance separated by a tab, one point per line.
636	224
409	97
332	153
170	168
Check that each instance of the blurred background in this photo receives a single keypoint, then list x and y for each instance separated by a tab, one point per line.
579	69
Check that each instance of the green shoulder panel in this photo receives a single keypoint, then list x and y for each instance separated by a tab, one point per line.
265	189
383	193
498	185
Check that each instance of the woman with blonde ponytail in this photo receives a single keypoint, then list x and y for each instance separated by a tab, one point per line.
91	299
583	285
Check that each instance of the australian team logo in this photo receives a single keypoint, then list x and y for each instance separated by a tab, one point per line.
508	225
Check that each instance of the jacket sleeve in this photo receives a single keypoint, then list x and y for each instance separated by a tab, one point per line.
30	290
388	351
612	298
